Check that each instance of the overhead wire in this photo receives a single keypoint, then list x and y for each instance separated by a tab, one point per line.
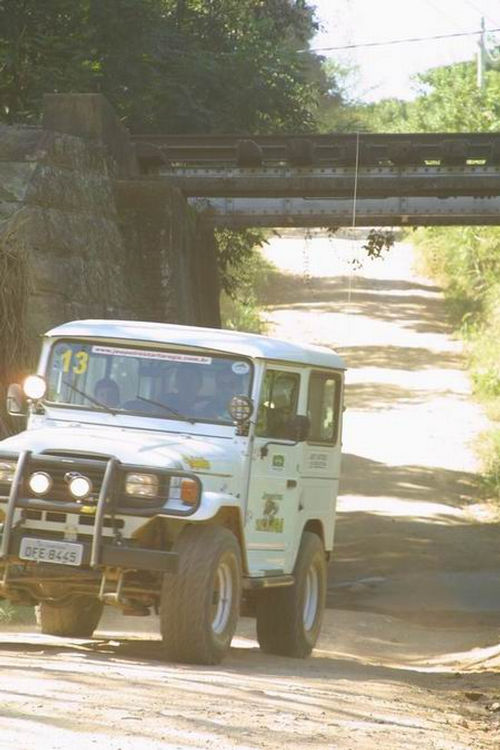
408	40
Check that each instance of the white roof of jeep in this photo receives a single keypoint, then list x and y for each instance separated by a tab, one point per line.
214	339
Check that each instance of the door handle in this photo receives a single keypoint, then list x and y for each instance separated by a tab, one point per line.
290	483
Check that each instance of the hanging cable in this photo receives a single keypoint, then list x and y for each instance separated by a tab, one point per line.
399	41
306	267
354	207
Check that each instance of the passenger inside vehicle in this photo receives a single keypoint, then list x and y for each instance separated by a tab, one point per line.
228	384
107	392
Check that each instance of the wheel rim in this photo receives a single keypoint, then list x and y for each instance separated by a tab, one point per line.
222	598
311	597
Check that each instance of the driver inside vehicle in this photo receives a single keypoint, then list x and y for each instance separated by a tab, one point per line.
188	380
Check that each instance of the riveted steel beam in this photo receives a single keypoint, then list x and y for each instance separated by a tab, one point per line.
379	182
297	212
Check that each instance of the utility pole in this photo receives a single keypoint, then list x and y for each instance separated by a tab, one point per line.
481	56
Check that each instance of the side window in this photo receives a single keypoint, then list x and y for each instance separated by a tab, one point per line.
323	407
278	402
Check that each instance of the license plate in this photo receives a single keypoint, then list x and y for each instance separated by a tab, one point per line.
45	550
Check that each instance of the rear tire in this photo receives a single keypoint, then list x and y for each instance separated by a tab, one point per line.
75	617
200	603
289	618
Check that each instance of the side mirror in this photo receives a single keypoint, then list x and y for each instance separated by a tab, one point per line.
298	428
16	401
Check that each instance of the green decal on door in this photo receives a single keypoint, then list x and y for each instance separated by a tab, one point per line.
278	462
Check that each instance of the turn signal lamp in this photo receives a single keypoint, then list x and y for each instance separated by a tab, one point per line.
34	387
184	490
189	491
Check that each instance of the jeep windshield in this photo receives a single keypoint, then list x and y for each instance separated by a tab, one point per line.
183	384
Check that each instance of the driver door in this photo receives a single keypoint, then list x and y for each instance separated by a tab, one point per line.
274	477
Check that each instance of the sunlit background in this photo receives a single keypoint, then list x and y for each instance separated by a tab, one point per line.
386	71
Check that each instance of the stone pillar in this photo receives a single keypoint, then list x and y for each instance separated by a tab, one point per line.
91	116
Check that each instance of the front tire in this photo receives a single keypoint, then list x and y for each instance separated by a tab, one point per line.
289	618
74	617
200	603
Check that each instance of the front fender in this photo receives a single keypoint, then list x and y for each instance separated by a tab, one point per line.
225	510
212	502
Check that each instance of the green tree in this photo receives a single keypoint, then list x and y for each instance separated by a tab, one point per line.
166	65
450	100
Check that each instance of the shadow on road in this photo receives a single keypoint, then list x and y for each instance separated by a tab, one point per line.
369	478
386	300
398	358
405	531
382	396
130	654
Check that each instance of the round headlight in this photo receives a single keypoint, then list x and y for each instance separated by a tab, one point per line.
40	483
80	487
34	387
240	408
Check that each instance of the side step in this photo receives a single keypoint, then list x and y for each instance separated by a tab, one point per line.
267	582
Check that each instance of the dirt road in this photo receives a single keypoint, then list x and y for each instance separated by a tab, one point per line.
410	652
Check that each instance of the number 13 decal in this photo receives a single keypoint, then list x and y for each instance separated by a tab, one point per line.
79	360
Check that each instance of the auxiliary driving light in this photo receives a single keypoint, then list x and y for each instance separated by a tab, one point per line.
80	487
34	387
40	483
240	408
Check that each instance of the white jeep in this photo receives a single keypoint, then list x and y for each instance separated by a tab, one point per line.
188	471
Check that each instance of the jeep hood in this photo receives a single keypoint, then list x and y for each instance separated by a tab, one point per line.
179	451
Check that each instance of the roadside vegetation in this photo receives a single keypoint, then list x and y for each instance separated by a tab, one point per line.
15	614
464	260
245	272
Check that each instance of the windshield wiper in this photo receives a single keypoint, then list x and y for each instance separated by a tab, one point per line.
168	409
92	400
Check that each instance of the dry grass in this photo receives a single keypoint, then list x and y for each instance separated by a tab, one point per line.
14	342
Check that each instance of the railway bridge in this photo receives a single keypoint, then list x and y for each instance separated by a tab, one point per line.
355	179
